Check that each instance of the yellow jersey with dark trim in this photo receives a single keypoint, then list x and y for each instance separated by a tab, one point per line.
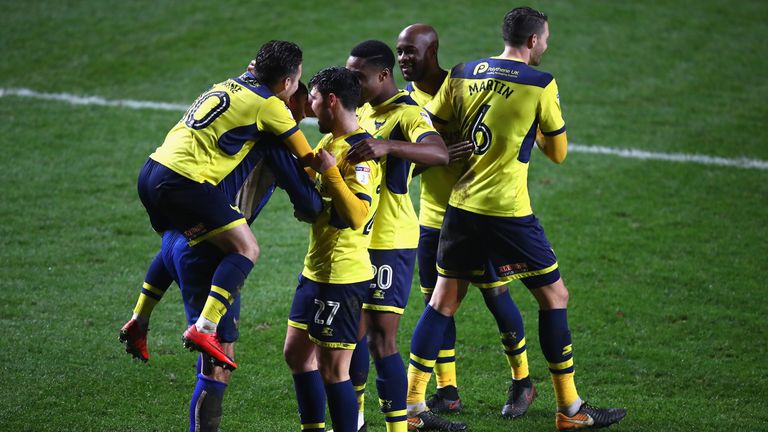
221	127
498	103
436	182
398	118
337	253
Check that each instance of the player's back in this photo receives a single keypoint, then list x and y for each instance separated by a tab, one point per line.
498	103
221	126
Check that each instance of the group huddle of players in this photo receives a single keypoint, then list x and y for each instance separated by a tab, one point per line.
468	132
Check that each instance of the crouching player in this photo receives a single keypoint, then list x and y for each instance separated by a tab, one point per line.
326	310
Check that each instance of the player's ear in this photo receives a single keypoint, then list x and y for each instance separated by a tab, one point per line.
384	74
532	40
332	100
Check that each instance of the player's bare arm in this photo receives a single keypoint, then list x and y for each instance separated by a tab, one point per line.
430	151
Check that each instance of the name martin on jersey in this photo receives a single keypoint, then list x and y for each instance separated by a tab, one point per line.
490	85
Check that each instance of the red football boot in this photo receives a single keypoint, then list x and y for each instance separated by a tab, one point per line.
134	336
207	343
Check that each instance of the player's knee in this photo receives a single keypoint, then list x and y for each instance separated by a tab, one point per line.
251	251
332	372
295	359
381	343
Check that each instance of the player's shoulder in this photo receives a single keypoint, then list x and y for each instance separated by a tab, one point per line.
513	71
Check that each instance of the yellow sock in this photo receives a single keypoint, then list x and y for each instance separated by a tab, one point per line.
146	304
214	308
400	426
418	380
445	372
517	358
360	391
565	389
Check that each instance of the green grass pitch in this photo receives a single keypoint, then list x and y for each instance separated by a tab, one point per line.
664	260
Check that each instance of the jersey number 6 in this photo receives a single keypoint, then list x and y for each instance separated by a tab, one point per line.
481	134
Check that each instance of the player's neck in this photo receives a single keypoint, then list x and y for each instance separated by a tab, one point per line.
345	123
523	53
432	81
389	90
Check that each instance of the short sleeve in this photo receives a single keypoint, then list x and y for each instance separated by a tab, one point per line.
550	115
276	119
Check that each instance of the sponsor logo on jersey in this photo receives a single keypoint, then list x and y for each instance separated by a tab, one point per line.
362	174
480	68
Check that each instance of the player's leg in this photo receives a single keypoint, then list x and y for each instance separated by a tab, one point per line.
539	272
358	372
301	356
446	399
334	328
391	377
425	345
342	401
205	407
203	213
194	267
385	304
134	333
510	324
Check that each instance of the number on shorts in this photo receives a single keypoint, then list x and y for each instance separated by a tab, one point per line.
321	308
383	276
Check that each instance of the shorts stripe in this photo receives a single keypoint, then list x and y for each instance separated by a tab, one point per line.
504	279
456	274
298	325
334	345
380	308
221	229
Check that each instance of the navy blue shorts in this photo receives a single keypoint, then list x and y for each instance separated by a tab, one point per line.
303	304
477	248
330	312
198	210
429	238
192	268
392	277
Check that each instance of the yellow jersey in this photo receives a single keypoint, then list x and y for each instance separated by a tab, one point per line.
398	118
498	103
337	253
221	127
437	181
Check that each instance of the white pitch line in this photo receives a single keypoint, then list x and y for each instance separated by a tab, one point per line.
743	162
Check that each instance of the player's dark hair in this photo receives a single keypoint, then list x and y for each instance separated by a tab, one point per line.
375	52
340	81
520	23
277	60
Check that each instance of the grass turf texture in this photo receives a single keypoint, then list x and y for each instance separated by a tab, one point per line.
662	259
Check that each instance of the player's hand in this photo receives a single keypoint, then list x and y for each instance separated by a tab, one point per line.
322	161
368	149
251	66
460	151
